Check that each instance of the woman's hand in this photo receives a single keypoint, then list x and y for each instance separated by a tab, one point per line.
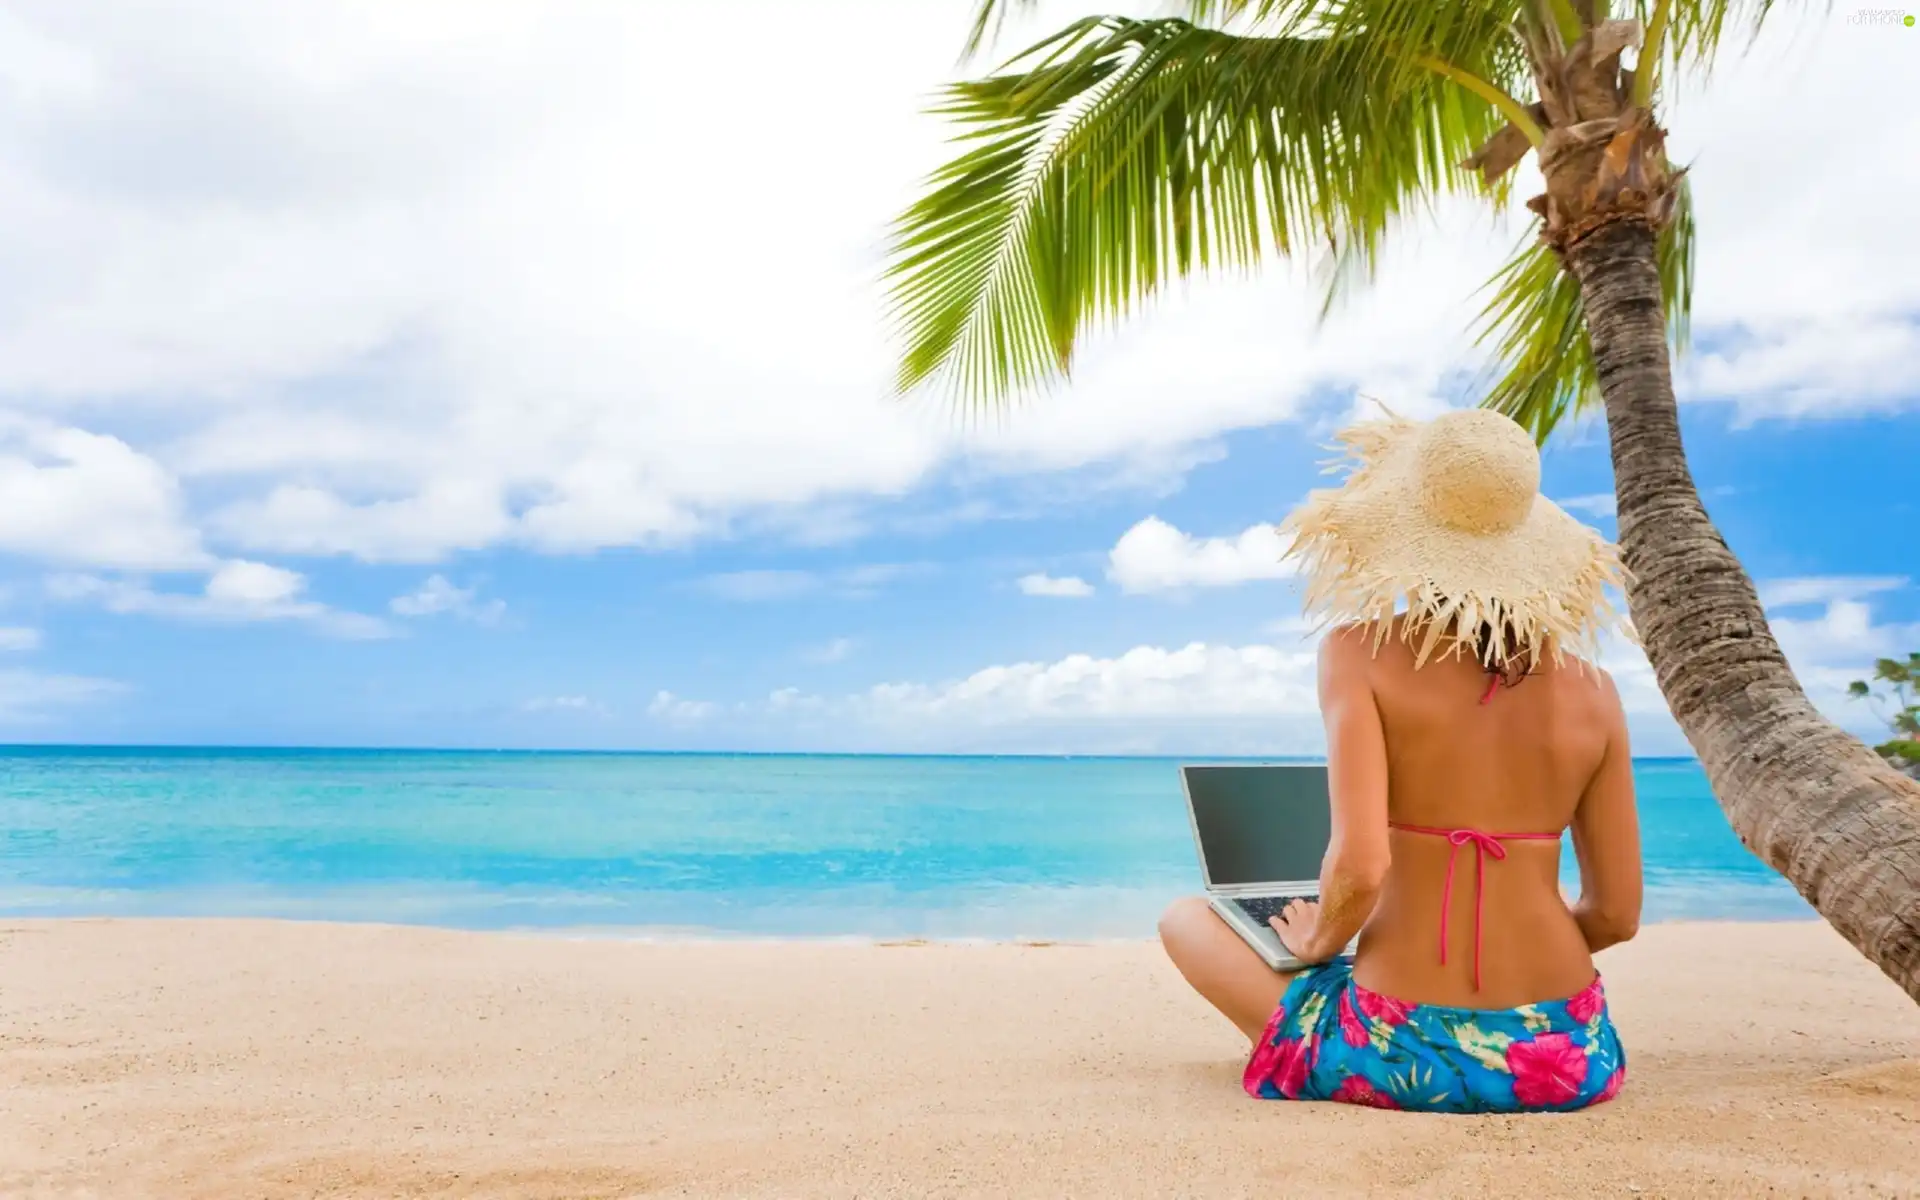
1297	924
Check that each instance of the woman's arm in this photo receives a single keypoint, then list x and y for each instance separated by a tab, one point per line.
1606	841
1357	855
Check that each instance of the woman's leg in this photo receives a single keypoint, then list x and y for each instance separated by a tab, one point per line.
1221	967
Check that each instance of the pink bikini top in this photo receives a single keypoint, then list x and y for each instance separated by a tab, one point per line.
1483	844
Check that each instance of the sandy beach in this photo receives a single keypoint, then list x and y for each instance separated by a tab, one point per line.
190	1059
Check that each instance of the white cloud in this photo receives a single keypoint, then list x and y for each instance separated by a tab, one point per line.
564	704
443	516
252	585
541	346
765	585
436	595
1809	367
1806	302
1065	587
1844	635
1830	651
1154	556
85	499
1650	721
1287	630
1825	589
236	592
1196	681
30	696
833	651
751	586
1150	699
668	707
1256	698
1600	504
398	281
15	639
1826	652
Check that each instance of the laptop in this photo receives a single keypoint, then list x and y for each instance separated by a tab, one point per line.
1261	831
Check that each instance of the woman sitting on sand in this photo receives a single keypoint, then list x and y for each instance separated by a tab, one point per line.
1463	738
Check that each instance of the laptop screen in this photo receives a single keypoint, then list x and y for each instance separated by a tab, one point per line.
1259	824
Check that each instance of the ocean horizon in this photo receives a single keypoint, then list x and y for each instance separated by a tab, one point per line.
670	844
29	749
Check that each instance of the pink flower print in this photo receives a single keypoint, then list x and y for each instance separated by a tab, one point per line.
1587	1004
1282	1061
1547	1071
1356	1090
1352	1027
1291	1066
1615	1082
1384	1008
1260	1066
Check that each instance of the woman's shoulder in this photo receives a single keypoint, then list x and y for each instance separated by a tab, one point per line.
1578	669
1369	645
1591	684
1351	648
1366	635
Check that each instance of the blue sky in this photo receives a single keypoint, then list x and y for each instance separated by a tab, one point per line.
364	384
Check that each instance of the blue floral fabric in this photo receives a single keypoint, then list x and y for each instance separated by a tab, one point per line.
1331	1039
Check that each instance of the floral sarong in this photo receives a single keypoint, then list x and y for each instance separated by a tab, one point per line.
1331	1039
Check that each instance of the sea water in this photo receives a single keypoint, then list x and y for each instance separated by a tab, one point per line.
669	844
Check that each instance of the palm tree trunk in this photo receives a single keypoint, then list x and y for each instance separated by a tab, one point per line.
1815	803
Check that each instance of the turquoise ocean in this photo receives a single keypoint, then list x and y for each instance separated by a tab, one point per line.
673	844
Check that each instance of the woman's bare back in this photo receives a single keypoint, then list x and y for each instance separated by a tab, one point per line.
1522	762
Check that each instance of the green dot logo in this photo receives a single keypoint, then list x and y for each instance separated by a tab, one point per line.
1907	20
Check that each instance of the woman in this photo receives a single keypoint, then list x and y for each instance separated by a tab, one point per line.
1464	735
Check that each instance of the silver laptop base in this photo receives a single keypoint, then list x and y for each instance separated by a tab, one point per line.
1264	941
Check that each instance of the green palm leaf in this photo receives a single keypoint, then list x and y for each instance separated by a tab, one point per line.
1537	328
990	16
1120	154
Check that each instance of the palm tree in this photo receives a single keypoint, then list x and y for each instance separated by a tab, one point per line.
1120	154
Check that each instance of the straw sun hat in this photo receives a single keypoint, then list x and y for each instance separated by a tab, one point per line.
1446	518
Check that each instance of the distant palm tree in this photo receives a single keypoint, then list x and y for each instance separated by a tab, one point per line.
1119	154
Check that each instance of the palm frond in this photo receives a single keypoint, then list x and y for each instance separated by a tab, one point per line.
1686	36
1697	28
1536	324
989	18
1275	16
1676	257
1121	154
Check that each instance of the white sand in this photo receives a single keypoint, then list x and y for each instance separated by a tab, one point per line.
176	1060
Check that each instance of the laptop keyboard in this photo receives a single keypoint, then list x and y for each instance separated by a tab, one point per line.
1262	907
